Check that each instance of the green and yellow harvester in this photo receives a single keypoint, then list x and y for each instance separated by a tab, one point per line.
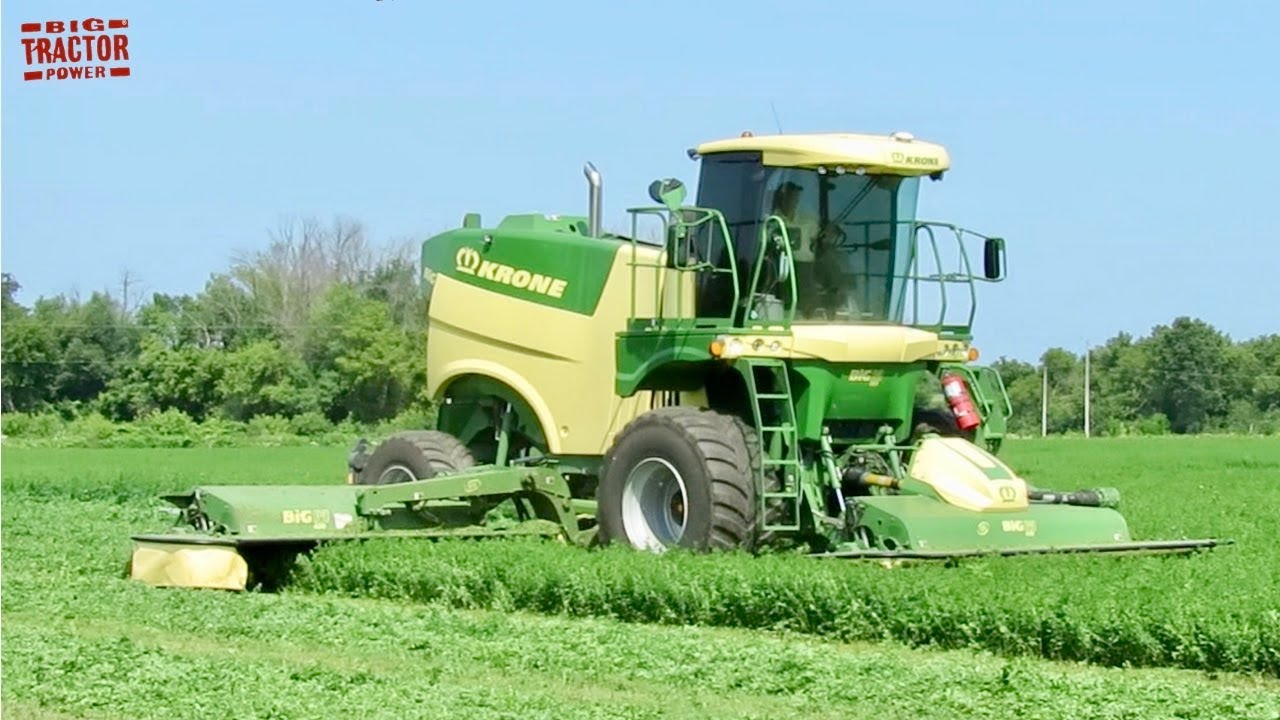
755	374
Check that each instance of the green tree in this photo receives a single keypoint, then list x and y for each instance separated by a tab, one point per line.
1120	375
1263	371
1066	390
262	378
1012	371
165	377
91	344
28	355
369	369
1190	373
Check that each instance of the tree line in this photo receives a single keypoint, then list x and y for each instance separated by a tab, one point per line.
319	324
321	328
1183	377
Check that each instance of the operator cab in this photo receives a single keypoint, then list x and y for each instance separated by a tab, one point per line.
845	204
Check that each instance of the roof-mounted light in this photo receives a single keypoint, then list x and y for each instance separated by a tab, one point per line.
903	136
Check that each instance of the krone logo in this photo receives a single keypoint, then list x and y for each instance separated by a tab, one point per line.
468	260
1008	494
905	159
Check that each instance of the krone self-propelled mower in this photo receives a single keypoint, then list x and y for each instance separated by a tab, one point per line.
785	362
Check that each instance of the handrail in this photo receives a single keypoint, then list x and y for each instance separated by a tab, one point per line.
921	232
677	256
675	251
783	241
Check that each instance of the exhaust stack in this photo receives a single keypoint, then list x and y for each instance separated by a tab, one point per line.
593	177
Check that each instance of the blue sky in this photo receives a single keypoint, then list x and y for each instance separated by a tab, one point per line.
1125	150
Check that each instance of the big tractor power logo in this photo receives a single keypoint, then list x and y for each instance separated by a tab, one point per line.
85	49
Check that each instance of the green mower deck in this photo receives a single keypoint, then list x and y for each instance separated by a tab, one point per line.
236	536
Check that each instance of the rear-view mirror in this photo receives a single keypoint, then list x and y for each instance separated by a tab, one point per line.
993	258
669	192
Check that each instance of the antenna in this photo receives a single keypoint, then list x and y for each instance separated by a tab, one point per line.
775	117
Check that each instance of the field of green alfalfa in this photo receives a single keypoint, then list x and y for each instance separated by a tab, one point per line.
1217	611
80	640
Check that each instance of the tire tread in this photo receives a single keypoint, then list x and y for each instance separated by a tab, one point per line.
723	453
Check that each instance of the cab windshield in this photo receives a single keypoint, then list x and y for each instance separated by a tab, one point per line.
850	241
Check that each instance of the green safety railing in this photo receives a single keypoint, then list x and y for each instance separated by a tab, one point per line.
923	240
680	234
781	244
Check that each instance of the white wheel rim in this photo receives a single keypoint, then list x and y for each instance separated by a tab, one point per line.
397	474
654	505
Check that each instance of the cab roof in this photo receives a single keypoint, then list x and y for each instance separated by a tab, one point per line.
899	153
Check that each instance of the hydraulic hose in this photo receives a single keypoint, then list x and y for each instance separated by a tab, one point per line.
860	476
1097	497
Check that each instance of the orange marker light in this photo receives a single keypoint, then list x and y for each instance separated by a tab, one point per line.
716	348
973	354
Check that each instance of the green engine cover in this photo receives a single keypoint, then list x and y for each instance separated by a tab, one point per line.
531	257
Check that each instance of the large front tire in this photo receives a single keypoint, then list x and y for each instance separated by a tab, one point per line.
678	477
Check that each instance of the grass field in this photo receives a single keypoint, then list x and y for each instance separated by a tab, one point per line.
481	630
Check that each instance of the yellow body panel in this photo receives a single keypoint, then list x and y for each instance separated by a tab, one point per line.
849	343
961	473
198	566
563	364
899	154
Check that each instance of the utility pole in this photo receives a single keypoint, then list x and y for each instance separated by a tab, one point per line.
1044	403
1087	353
127	280
124	299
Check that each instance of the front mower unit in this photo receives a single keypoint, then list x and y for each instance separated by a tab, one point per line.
958	500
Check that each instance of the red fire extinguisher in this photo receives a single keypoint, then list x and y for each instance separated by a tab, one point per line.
953	386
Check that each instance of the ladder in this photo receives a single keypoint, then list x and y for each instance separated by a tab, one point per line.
778	444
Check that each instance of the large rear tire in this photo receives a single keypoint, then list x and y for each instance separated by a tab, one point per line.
678	477
414	455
